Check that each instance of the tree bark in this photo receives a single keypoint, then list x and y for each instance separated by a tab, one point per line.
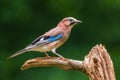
97	64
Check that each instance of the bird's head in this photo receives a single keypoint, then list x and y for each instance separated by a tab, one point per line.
69	22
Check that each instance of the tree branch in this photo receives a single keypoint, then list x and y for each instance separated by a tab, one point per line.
65	64
97	64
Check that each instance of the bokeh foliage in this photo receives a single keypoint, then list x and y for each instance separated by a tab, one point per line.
21	21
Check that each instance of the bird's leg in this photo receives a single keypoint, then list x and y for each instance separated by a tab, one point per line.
54	51
46	55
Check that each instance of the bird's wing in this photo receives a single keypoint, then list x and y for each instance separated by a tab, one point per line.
42	40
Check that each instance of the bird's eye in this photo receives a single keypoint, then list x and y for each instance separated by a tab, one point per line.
71	21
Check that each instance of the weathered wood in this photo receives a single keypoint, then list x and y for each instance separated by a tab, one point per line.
97	64
65	64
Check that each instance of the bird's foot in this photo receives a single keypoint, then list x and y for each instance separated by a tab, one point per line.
61	57
47	57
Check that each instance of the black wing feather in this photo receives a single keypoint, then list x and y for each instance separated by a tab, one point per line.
39	38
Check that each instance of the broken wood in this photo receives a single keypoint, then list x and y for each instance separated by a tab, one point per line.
97	64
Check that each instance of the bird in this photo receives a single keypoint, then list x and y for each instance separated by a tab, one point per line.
52	39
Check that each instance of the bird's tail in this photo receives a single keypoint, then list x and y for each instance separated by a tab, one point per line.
18	53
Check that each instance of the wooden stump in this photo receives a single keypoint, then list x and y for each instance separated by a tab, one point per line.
97	64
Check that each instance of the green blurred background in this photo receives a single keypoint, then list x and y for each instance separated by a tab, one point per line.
21	21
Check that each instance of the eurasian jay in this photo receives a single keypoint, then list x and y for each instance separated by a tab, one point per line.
52	39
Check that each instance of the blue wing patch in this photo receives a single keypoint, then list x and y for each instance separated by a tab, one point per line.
42	40
54	38
46	39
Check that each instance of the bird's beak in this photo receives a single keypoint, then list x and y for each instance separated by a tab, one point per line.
78	21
